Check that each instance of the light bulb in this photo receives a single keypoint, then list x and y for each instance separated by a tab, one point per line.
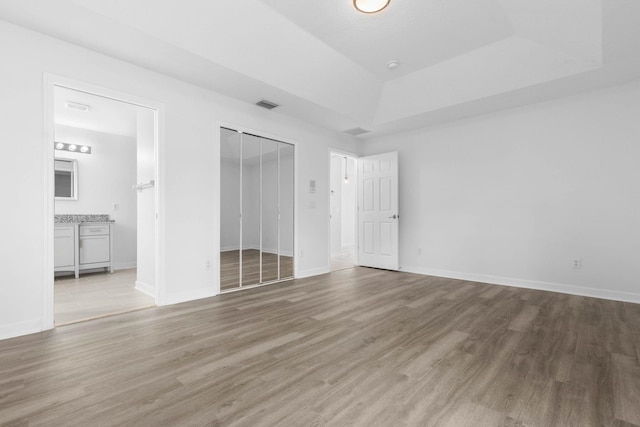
84	149
59	146
72	147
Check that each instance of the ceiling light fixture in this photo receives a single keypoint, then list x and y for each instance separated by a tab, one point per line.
77	106
393	64
370	6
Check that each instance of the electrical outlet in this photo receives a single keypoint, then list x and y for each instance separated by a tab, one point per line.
301	254
116	207
419	251
577	263
208	265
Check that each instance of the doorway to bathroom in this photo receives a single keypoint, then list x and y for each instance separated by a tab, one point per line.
342	206
104	178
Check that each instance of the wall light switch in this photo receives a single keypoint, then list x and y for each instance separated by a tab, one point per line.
116	207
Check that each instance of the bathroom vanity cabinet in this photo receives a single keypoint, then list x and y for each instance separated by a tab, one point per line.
65	254
83	246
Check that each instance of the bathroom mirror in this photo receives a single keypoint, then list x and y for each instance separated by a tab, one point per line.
66	179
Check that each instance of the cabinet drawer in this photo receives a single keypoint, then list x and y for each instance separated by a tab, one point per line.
94	230
63	231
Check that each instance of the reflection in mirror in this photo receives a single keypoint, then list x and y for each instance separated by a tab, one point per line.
66	179
256	210
269	210
229	209
286	181
250	256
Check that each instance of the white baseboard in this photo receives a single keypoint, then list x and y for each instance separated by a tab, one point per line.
189	296
125	265
275	252
21	328
313	272
145	288
528	284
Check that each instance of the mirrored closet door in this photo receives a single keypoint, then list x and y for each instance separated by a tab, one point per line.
256	210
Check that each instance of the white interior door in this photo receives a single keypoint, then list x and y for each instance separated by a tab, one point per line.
378	211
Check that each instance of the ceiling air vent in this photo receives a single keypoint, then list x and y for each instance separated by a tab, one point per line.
267	104
356	131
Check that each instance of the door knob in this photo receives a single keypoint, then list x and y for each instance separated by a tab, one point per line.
395	217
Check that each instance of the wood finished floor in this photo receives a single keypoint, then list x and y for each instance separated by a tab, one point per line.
356	347
230	268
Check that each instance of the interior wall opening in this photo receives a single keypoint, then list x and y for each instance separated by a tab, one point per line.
104	207
343	204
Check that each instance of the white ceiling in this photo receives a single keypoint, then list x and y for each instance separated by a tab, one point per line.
105	115
326	63
410	31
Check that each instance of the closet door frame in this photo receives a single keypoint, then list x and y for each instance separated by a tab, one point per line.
217	161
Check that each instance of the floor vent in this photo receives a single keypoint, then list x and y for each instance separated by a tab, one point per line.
267	104
356	131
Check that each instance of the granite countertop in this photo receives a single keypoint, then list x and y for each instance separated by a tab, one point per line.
81	218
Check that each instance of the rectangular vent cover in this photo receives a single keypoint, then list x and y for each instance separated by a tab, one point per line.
267	104
356	131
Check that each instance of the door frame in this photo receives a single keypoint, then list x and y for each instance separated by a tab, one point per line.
50	81
355	157
217	196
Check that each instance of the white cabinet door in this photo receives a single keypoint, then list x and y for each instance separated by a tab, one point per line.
378	211
94	249
64	247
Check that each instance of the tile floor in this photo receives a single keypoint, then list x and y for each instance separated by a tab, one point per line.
97	295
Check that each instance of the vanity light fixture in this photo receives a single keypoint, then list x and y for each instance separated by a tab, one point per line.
370	6
62	146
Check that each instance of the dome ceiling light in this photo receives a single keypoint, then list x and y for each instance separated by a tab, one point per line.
370	6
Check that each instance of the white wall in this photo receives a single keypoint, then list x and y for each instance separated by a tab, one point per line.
349	196
146	201
229	205
190	162
513	197
335	202
104	179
